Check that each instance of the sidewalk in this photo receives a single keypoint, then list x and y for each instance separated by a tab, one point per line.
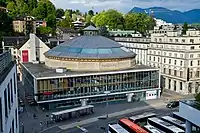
157	105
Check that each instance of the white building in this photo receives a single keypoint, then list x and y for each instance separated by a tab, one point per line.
178	58
8	95
160	22
138	45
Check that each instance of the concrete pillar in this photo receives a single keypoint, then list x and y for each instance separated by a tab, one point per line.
188	127
84	102
129	97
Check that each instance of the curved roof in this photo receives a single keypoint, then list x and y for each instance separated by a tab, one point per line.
93	47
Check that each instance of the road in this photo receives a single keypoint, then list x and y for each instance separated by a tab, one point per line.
114	110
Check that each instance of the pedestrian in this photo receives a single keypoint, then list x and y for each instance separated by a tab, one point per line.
34	116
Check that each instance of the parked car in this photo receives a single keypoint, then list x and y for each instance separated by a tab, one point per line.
173	104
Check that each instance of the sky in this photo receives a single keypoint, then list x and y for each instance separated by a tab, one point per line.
125	5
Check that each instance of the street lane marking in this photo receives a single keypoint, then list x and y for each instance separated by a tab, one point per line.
82	129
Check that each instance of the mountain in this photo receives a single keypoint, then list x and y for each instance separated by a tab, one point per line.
171	16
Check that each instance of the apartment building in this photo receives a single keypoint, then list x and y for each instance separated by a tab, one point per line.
138	45
178	57
8	95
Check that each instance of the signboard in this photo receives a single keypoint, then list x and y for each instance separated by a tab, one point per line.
151	95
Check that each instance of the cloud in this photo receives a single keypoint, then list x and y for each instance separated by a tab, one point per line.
125	5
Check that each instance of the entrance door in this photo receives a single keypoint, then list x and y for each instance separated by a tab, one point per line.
25	55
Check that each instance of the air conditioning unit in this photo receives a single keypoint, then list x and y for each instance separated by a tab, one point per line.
35	62
61	70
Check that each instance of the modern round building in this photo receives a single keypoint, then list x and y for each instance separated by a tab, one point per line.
90	52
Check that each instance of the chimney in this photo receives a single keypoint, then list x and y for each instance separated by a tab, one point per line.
32	43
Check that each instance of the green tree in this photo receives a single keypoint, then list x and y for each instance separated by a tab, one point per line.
24	9
44	30
3	3
69	12
12	8
51	20
59	13
138	22
88	18
32	4
6	27
65	23
111	18
91	12
50	8
74	17
185	28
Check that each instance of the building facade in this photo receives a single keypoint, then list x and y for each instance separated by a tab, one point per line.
86	67
9	121
138	45
178	58
189	111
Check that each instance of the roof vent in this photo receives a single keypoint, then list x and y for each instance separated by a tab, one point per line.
61	70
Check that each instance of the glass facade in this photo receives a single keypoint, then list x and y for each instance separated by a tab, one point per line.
49	89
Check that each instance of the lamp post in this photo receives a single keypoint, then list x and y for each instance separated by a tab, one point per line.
106	92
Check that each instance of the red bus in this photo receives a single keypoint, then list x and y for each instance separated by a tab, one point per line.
130	126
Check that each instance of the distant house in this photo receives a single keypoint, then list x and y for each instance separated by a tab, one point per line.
27	24
66	33
78	24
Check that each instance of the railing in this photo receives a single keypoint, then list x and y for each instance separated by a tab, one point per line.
5	59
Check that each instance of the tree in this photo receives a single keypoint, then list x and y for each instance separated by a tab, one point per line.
24	9
12	8
32	4
138	22
111	18
185	28
65	23
74	17
59	13
91	12
44	30
40	12
103	31
6	27
88	18
51	20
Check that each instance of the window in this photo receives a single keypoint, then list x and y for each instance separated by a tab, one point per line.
1	120
169	71
198	62
6	103
197	74
158	59
170	40
11	89
164	70
164	53
9	98
15	89
149	57
192	47
154	58
181	63
155	52
174	62
191	55
155	39
164	60
191	63
181	55
169	86
183	40
170	54
175	73
192	40
160	40
175	55
16	120
169	61
176	40
181	74
199	55
13	128
174	85
181	86
190	75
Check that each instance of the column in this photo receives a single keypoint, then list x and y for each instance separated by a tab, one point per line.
83	102
188	127
129	97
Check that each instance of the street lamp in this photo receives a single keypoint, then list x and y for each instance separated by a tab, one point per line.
106	92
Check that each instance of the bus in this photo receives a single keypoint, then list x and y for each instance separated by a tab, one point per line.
142	117
152	129
130	126
164	126
69	113
174	121
116	128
